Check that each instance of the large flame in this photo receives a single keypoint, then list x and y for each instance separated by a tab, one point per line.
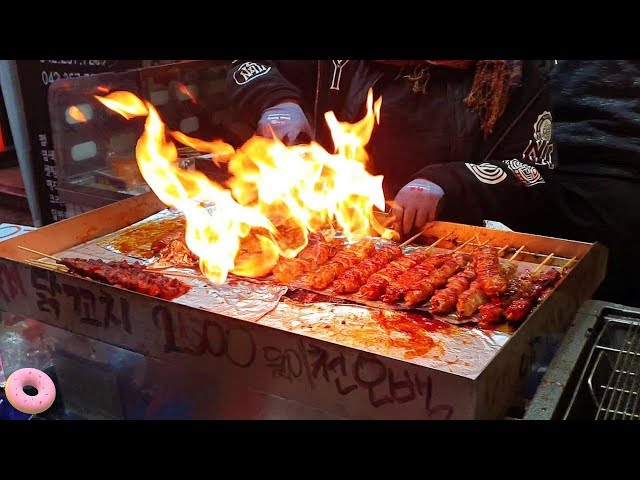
125	103
276	195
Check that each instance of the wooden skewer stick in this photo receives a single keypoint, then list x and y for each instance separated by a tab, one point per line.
465	244
175	274
418	235
435	244
513	257
49	266
569	262
479	244
159	269
43	264
502	250
407	242
39	253
544	262
62	268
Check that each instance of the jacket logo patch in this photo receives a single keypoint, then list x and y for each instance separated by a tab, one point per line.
338	65
526	174
487	172
540	149
248	71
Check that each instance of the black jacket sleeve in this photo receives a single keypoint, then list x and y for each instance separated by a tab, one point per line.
255	85
509	180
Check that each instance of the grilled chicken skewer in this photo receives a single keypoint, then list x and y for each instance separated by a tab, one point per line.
444	301
489	273
436	279
470	300
538	283
524	291
397	288
377	284
131	276
344	259
352	279
318	252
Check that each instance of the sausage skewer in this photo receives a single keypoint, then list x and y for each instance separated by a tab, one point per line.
377	284
344	259
396	289
352	279
318	252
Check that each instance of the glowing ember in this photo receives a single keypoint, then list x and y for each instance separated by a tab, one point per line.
276	195
76	114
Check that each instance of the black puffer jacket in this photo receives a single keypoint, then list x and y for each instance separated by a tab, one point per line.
433	135
598	105
596	189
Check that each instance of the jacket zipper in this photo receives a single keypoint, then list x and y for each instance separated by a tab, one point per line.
316	114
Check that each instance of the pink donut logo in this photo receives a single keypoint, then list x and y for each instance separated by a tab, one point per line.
30	404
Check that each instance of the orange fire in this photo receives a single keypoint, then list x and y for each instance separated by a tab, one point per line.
182	88
76	114
221	152
125	103
274	190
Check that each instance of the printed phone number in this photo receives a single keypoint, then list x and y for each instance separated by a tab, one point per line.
98	63
50	77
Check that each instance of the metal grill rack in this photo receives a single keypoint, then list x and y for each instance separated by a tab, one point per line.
595	373
614	378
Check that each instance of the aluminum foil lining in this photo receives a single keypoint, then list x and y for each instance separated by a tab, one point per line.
238	298
463	351
111	242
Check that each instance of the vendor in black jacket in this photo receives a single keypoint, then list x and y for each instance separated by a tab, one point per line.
458	140
596	191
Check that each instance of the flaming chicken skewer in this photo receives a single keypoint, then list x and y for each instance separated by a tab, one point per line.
352	279
318	252
344	259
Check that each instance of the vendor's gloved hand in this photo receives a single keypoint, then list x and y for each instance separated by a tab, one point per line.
416	204
288	122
